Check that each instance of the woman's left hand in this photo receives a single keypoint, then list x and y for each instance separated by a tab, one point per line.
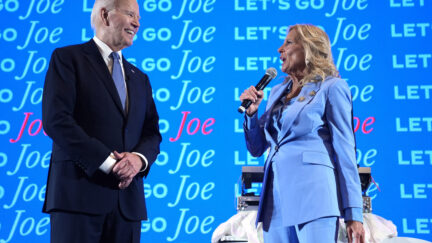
355	231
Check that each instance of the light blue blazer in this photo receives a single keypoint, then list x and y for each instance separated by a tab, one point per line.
314	154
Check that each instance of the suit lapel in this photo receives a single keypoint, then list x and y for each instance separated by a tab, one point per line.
308	93
277	95
273	101
98	65
133	92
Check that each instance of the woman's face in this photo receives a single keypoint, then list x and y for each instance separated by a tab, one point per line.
292	54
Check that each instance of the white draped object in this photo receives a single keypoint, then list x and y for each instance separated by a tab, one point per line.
377	229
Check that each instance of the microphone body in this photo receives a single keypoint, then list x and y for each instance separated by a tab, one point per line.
264	81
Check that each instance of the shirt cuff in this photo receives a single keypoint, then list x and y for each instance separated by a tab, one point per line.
353	214
108	164
144	161
250	121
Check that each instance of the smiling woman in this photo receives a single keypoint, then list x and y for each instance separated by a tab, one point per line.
316	57
311	176
292	54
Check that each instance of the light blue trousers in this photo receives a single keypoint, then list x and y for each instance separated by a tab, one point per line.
322	230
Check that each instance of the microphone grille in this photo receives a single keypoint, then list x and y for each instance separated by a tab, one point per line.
271	71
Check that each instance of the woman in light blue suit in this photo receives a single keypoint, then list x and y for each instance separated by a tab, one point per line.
311	176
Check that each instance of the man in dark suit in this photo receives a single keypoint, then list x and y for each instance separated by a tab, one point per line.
99	111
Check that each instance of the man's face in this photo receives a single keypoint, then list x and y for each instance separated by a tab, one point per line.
121	24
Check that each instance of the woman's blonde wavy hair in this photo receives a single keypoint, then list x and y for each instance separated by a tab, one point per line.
318	55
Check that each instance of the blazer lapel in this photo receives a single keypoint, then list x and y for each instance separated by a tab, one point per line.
273	101
307	94
99	67
277	95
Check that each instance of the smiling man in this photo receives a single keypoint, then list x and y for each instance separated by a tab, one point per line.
99	111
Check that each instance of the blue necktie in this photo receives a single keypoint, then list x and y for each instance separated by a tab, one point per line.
117	76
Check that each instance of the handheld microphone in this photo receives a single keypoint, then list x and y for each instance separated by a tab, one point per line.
268	76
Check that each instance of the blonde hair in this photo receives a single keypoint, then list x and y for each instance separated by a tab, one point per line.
318	55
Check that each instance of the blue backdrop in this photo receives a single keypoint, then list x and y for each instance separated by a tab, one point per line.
200	55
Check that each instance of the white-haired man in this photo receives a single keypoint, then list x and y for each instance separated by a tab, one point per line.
99	111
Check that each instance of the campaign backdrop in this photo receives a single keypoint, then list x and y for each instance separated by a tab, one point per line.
200	55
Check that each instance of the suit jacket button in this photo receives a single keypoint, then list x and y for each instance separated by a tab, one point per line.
277	148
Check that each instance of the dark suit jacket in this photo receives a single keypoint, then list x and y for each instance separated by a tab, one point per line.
82	113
